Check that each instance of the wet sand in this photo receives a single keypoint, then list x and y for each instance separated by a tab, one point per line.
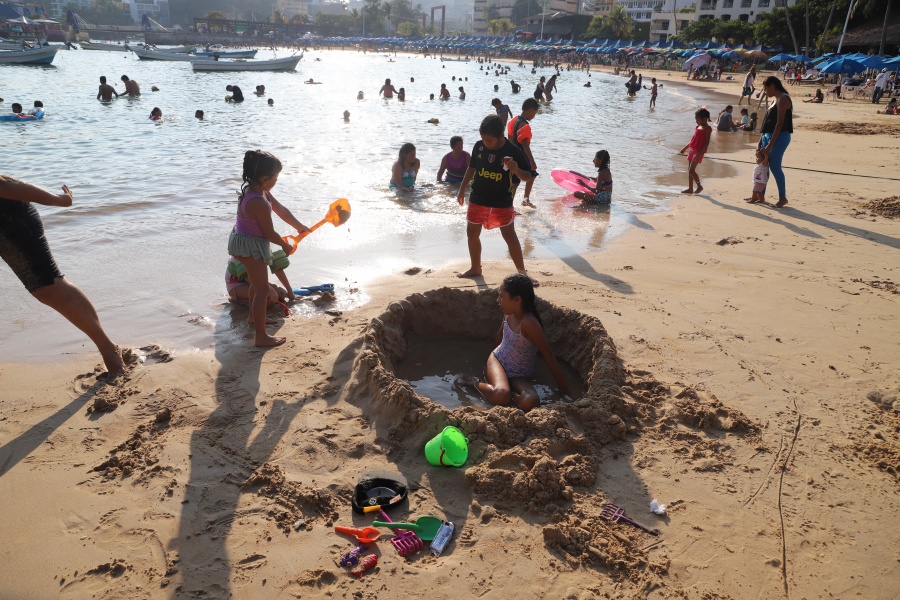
739	365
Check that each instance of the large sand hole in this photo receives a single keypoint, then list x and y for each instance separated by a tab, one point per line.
432	365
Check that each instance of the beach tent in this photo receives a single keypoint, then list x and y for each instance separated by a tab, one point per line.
696	61
842	65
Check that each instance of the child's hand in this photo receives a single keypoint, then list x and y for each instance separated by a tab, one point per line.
287	247
303	229
461	198
65	199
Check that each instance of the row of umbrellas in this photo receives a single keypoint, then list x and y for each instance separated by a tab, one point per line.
848	64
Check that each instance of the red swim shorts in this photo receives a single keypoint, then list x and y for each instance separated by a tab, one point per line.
490	217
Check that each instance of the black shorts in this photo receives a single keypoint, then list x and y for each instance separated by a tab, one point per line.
23	245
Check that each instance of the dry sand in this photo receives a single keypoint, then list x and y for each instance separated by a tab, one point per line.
740	364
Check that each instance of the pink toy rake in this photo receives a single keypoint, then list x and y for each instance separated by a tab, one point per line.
405	541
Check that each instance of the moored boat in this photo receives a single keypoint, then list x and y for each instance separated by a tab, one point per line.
228	54
157	55
275	64
178	50
107	47
35	56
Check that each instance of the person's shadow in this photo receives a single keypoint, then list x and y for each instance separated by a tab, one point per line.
223	453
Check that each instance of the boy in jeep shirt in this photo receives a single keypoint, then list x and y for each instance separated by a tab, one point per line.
493	163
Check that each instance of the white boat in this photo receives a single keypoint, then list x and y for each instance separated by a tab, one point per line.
35	56
275	64
107	47
157	55
229	53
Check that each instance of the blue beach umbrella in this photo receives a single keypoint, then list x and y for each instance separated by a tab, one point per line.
873	62
781	57
842	65
802	58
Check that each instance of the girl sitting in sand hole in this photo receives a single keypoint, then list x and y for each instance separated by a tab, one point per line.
511	364
253	233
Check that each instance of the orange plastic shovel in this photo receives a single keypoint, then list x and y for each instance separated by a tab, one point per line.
338	213
365	535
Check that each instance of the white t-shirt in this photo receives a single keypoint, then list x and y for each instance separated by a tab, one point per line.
881	80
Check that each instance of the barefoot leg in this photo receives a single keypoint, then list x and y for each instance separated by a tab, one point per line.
473	236
523	393
496	389
69	301
258	275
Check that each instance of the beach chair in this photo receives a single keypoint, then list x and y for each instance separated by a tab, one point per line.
863	91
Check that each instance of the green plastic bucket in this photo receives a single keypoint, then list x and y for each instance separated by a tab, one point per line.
449	448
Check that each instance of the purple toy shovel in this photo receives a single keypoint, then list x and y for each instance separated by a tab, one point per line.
405	541
614	513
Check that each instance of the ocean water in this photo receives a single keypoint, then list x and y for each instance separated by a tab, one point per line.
154	202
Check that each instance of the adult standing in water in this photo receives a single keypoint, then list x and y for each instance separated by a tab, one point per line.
131	87
387	90
550	88
776	131
106	91
236	94
539	90
24	248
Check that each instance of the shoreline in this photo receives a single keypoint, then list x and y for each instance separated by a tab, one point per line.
752	343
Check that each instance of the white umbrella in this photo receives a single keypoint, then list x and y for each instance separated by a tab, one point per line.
696	61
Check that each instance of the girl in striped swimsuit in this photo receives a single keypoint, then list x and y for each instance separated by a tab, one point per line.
511	364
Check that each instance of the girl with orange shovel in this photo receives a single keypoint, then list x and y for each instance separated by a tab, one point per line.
337	215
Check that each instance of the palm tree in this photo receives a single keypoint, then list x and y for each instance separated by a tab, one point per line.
869	9
887	12
821	43
787	17
618	22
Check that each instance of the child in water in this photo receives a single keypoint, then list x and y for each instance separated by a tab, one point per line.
454	162
156	114
602	193
511	364
405	169
253	233
239	289
698	145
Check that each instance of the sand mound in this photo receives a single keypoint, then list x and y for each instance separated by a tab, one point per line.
294	502
544	461
858	128
884	207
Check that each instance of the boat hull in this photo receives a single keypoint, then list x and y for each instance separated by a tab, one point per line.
156	55
229	54
278	64
106	47
37	56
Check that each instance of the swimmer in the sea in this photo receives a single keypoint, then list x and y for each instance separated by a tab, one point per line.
387	90
156	114
401	95
271	102
346	115
360	96
454	162
405	169
198	115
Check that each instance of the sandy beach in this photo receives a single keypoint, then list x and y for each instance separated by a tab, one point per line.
739	364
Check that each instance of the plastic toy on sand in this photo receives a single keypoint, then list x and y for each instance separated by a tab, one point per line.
572	180
425	527
338	213
449	448
364	535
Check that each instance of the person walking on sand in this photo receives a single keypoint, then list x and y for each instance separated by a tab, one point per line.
25	249
106	91
698	146
493	164
253	233
776	130
132	88
748	88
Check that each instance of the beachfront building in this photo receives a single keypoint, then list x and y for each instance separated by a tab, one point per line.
158	10
57	8
667	20
292	8
486	10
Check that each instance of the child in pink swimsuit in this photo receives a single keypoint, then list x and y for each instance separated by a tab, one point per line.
253	233
511	364
698	146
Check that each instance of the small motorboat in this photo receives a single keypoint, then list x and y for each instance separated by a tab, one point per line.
144	54
275	64
107	47
228	54
34	56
